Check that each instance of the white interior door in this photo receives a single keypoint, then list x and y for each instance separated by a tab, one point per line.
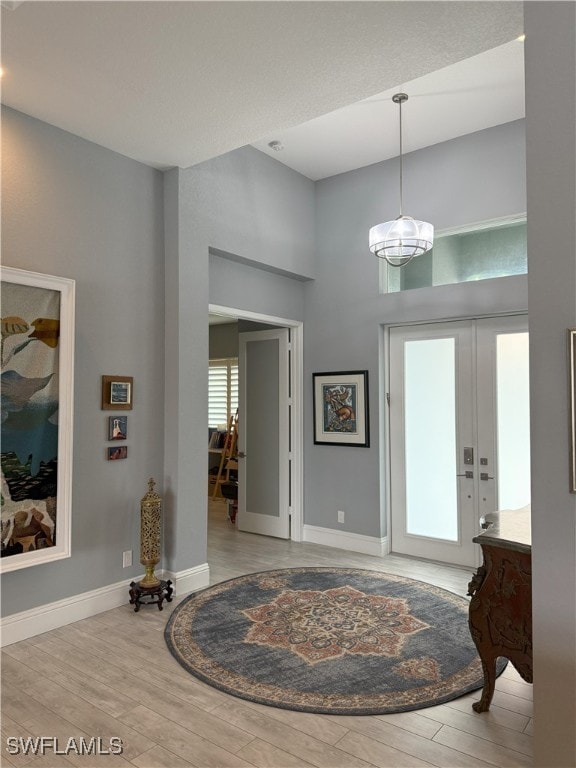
459	432
264	433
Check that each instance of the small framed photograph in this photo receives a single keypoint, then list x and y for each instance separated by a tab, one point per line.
117	452
117	427
341	409
117	393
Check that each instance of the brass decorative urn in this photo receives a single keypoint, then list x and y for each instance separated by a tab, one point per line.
150	511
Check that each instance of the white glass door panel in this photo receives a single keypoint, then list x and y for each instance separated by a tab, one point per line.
459	432
430	426
430	435
504	400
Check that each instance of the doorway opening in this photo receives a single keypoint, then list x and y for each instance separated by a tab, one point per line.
269	345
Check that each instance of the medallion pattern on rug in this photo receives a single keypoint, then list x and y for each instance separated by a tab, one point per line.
328	640
324	625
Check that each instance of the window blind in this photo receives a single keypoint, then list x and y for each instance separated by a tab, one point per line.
222	391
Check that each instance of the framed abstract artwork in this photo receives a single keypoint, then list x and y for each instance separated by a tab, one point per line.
37	356
341	408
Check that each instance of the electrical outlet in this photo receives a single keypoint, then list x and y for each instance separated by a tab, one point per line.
127	558
340	516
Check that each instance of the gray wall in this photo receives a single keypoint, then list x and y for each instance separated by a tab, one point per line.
115	207
257	209
253	288
551	171
471	179
73	209
239	233
223	341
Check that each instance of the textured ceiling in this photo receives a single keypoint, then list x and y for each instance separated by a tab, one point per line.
471	95
175	83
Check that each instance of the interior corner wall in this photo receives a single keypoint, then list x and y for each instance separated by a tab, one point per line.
74	209
248	206
255	209
471	179
551	174
186	377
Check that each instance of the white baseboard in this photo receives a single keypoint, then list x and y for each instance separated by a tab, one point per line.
354	542
20	626
190	580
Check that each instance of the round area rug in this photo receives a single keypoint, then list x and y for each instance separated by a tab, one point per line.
329	640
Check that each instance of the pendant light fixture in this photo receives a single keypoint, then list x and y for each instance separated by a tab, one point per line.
401	240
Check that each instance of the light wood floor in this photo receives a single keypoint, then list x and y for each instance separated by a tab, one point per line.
112	675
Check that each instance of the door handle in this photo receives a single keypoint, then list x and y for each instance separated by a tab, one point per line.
485	476
469	475
241	455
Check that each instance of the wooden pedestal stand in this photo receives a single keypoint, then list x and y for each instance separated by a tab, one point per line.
162	591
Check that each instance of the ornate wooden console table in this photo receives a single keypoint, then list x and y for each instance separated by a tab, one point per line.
500	615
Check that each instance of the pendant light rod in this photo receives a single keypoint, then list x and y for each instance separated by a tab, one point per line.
400	98
401	240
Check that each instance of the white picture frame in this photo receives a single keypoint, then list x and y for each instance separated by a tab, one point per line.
44	334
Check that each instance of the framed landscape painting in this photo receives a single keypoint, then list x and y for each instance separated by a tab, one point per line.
37	356
341	408
117	393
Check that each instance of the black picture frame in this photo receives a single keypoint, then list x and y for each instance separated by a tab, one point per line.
341	412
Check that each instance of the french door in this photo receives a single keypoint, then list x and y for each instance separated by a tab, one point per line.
459	432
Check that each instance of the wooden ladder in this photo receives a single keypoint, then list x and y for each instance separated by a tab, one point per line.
228	457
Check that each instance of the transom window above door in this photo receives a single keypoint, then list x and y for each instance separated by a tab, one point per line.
481	252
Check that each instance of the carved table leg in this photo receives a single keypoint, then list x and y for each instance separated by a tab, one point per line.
478	624
135	596
500	613
489	669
